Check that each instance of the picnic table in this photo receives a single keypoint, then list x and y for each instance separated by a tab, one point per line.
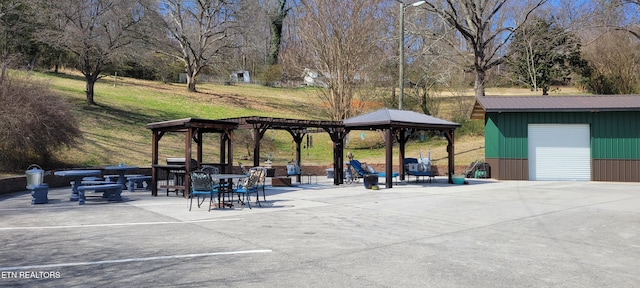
77	176
121	169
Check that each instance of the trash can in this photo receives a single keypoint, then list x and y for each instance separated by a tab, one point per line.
35	176
370	180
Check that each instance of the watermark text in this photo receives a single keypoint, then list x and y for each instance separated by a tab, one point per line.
29	275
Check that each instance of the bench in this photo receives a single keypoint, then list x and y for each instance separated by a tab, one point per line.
96	182
430	175
111	178
110	191
138	181
419	174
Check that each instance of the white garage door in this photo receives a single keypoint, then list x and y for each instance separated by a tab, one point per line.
559	152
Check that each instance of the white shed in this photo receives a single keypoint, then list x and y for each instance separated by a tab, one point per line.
240	76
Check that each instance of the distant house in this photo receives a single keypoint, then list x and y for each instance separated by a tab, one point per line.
240	76
313	78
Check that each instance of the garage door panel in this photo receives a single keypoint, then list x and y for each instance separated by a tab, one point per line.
559	152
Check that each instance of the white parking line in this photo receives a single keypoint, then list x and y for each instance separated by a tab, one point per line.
114	224
116	261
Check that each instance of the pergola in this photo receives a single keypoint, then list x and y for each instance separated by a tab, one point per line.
400	124
298	128
396	123
193	128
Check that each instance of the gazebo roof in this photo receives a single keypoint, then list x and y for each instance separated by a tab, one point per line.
302	125
399	119
180	125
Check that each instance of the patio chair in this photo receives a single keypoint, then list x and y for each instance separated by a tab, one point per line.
210	169
261	180
202	185
406	162
418	168
357	166
248	186
293	169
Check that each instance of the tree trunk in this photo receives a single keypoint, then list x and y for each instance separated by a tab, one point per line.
394	97
3	71
277	18
191	83
479	85
91	82
191	71
276	36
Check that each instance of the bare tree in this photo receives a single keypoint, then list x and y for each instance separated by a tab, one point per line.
95	31
433	61
630	21
198	30
339	38
486	28
615	60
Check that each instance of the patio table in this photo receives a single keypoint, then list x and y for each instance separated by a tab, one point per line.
227	186
121	169
77	176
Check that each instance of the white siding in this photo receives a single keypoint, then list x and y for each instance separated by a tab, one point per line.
559	152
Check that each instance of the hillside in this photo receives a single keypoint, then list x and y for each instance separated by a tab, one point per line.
114	130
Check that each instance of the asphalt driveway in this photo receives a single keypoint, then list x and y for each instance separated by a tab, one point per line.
485	234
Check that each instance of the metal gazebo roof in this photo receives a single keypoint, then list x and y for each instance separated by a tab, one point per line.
398	119
396	123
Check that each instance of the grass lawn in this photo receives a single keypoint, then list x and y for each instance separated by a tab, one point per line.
114	130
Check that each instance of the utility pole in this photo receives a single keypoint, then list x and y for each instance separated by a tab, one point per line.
401	52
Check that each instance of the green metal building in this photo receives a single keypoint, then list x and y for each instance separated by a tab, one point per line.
578	138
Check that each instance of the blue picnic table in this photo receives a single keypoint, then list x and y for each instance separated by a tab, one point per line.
77	176
121	169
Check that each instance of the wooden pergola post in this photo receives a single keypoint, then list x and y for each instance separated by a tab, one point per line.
402	136
388	139
155	138
187	162
449	134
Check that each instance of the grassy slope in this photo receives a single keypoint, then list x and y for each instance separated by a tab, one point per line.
114	131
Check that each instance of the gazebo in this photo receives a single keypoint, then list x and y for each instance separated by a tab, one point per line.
396	123
400	124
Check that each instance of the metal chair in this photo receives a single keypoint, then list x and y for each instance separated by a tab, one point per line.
210	169
248	186
202	185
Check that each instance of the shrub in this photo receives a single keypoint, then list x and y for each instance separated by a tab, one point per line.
34	122
270	75
469	127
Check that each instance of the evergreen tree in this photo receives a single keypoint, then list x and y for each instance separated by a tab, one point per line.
542	53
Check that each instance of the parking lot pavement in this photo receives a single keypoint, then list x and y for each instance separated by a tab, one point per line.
485	234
